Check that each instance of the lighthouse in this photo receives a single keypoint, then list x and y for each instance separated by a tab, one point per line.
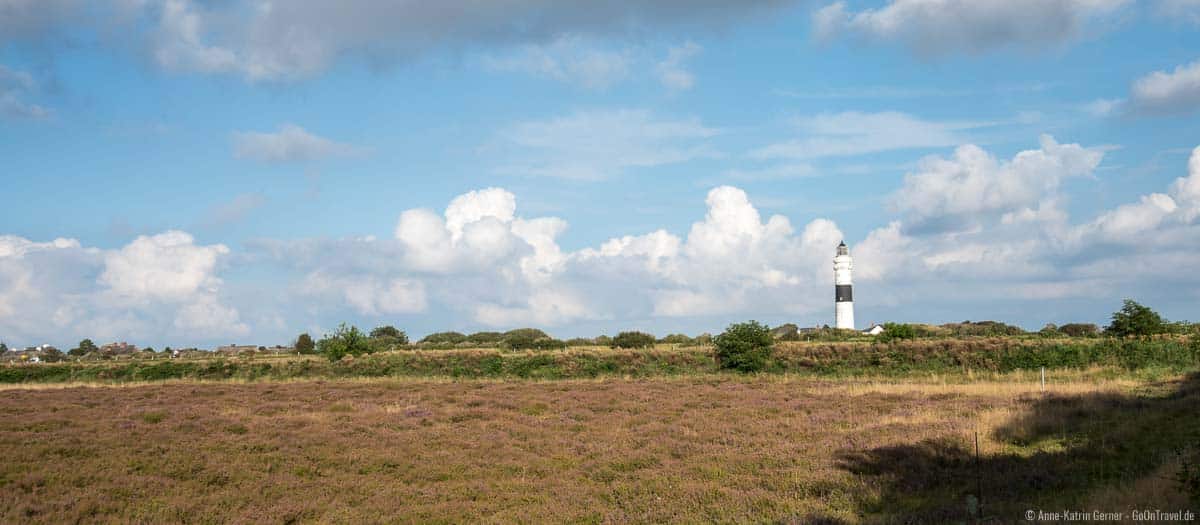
843	309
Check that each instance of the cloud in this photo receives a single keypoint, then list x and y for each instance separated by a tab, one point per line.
1187	11
1161	93
569	59
156	286
369	295
233	211
291	143
941	27
288	41
671	71
731	261
1103	107
168	267
15	86
1035	253
482	263
595	145
856	133
957	192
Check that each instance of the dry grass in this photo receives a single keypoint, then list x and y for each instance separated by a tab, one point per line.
706	448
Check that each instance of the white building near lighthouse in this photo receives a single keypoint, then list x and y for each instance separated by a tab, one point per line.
843	310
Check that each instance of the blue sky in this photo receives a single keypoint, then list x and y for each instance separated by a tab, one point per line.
185	172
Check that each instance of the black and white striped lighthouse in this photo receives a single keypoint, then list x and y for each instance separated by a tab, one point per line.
843	309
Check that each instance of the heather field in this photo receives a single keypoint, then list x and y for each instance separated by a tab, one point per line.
690	448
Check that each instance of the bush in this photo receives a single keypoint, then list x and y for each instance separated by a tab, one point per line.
485	338
531	333
1135	319
893	331
786	332
632	340
676	339
745	347
396	336
1079	329
527	341
444	338
580	341
305	345
343	342
982	328
384	343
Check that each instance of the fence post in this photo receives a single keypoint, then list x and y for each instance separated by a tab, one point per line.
1043	379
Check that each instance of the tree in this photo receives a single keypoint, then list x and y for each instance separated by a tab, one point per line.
166	350
1079	329
385	338
745	347
52	355
3	348
632	340
84	347
346	340
304	344
386	331
1135	319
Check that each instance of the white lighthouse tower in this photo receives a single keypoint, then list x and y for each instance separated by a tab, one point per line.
843	310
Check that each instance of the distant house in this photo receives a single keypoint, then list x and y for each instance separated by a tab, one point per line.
875	329
236	349
118	348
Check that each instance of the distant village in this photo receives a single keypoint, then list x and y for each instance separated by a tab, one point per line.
87	350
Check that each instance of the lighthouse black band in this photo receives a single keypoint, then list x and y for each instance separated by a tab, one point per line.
843	293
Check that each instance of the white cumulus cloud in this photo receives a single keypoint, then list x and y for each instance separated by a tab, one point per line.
1176	92
291	143
941	27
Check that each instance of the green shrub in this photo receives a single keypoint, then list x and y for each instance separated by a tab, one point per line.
1079	329
344	341
530	339
305	345
893	331
632	340
452	338
385	343
580	341
485	338
391	334
531	333
982	328
1135	319
786	332
745	347
676	339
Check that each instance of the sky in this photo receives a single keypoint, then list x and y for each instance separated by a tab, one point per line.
195	173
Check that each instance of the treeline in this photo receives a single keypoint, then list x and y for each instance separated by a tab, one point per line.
745	349
348	340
